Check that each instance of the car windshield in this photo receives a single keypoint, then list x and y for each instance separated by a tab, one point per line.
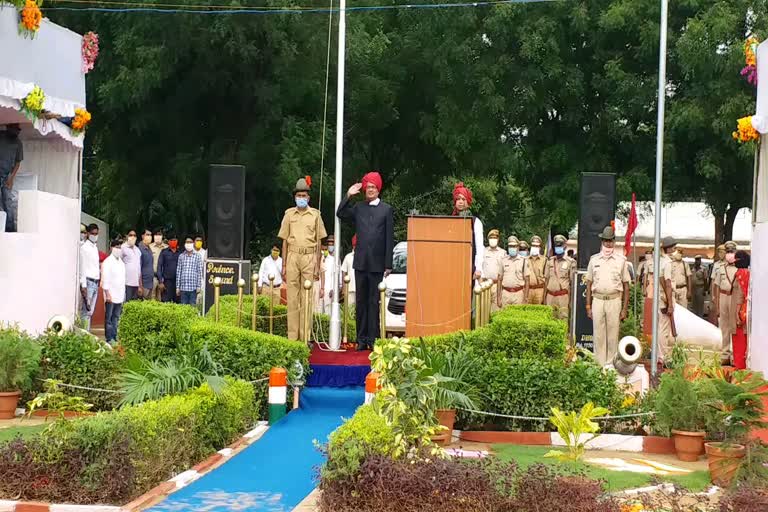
400	258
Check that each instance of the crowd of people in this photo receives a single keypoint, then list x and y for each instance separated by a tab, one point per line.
154	268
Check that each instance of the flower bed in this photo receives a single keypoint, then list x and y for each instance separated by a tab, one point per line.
116	456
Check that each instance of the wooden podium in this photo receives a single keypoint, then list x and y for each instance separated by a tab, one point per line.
439	294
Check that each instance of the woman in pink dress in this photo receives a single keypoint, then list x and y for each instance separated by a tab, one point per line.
740	299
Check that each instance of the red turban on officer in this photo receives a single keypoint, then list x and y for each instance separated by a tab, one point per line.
373	178
461	190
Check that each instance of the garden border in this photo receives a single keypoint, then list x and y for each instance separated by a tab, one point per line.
155	495
618	442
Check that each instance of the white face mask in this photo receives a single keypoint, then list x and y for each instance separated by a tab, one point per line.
93	238
158	239
493	242
116	252
131	241
189	246
535	251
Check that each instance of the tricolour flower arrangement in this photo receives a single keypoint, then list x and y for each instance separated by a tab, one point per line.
745	132
90	50
30	18
32	104
750	59
81	121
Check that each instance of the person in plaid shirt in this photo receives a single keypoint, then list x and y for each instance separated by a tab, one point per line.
189	274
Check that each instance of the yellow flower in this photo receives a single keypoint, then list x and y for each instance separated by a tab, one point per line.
745	131
629	401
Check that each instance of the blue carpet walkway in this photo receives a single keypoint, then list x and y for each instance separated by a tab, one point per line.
278	471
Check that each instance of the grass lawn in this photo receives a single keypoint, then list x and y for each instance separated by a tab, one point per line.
614	480
10	433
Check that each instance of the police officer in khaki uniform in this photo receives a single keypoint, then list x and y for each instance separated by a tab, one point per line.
537	262
699	283
301	230
666	297
558	276
607	296
493	258
713	270
723	282
681	279
514	287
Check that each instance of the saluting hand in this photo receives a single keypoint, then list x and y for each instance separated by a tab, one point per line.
354	189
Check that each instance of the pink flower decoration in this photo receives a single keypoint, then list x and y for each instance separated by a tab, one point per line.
751	73
90	50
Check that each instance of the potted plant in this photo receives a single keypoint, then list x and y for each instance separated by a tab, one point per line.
452	368
739	409
682	410
19	359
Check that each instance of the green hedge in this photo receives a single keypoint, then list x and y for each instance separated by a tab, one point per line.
114	457
153	328
516	331
228	316
81	360
365	434
532	386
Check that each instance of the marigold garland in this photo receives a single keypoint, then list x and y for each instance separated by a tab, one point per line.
750	59
745	131
81	121
31	17
90	50
32	104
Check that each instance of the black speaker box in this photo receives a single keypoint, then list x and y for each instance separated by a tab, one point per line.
226	206
598	209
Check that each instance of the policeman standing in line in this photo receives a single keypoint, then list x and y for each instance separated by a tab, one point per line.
514	285
558	276
723	281
713	270
537	262
493	259
607	296
699	282
301	230
666	284
681	279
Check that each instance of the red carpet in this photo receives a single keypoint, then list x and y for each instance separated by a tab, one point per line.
347	358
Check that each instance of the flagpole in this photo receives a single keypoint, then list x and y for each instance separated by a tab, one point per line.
659	175
334	337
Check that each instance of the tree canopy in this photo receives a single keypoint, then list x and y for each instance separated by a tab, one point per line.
517	100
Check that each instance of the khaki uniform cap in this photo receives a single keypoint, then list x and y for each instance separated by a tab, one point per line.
513	241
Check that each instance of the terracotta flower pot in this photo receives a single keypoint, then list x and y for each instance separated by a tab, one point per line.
724	460
688	445
446	418
8	403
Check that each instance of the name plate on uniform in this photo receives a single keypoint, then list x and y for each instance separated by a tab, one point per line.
230	272
581	324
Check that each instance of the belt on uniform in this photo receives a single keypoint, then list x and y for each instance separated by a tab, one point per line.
92	280
729	292
302	250
514	290
682	286
535	286
558	293
606	296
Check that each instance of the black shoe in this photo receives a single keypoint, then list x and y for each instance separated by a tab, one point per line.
362	348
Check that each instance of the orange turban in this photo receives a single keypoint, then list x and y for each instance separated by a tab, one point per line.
461	190
374	178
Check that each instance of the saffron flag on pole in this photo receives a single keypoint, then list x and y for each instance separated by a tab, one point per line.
631	227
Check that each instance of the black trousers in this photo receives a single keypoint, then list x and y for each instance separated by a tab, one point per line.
169	294
131	293
367	307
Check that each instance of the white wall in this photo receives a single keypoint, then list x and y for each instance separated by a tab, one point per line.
38	265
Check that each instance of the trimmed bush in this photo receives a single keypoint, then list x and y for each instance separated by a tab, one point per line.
228	316
152	328
363	435
81	360
532	386
515	331
116	456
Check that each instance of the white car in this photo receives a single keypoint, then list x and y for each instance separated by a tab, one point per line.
397	283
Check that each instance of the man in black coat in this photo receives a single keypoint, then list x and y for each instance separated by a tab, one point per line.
373	255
